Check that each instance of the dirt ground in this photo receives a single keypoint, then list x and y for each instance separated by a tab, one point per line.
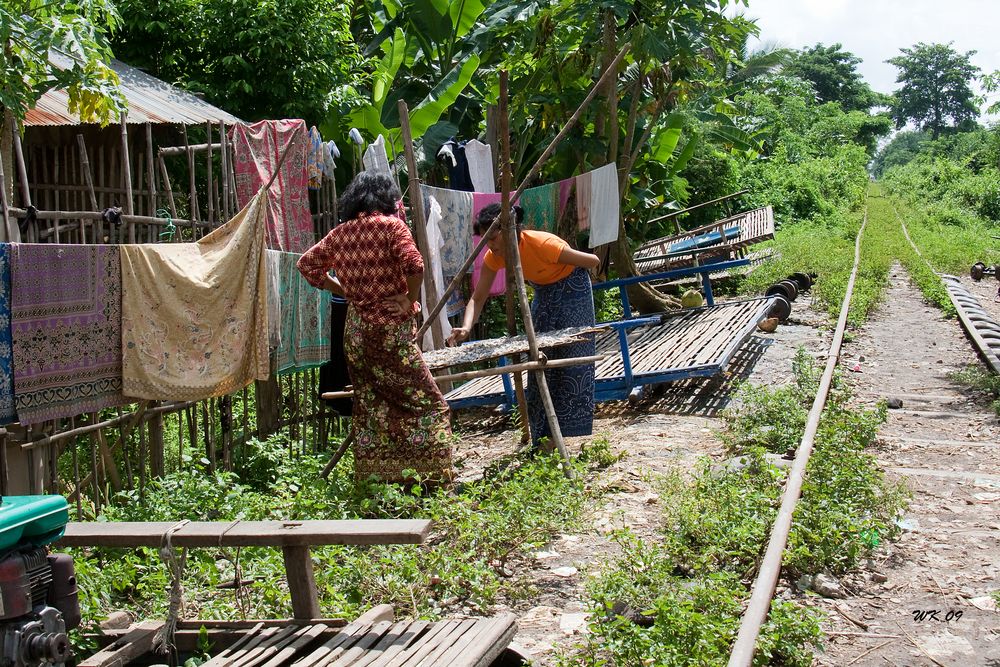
941	442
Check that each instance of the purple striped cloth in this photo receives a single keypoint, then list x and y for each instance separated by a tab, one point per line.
66	326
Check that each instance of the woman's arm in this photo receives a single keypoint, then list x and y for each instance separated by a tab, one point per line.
586	260
475	306
333	285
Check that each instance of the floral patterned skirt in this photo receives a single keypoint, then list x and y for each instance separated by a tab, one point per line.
401	421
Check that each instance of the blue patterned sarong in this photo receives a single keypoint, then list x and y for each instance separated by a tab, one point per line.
566	303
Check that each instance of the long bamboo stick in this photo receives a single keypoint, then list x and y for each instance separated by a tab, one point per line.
208	168
513	264
11	236
127	172
166	186
97	215
150	169
224	158
420	223
193	209
88	179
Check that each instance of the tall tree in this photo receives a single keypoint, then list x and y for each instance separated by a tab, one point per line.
254	58
936	87
833	73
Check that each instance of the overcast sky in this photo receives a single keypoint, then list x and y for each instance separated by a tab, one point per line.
876	30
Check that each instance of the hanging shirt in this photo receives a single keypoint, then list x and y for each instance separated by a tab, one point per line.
539	258
604	213
479	157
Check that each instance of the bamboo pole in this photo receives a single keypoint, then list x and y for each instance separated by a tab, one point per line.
89	182
127	172
224	158
194	148
56	164
193	209
420	223
96	215
208	167
22	171
513	265
535	169
150	169
166	186
12	237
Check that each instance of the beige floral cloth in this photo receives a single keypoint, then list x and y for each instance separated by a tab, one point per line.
194	315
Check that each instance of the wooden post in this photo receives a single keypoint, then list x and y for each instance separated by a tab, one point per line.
23	173
166	186
301	582
89	181
156	453
127	172
224	157
11	236
420	224
208	176
56	164
513	262
193	211
150	169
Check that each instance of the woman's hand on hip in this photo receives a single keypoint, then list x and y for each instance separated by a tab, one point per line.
398	304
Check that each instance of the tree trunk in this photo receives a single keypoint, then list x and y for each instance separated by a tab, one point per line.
643	297
7	153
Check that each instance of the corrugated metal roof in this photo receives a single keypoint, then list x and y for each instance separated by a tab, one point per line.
149	99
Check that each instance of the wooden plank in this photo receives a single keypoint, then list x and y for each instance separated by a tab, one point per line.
246	533
436	633
490	643
137	642
345	637
279	644
254	640
431	653
303	638
263	648
361	647
301	582
399	637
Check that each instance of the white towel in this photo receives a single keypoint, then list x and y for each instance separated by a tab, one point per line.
375	158
434	242
604	213
480	159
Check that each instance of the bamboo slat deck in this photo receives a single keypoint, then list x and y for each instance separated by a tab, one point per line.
484	350
757	258
754	226
363	643
689	343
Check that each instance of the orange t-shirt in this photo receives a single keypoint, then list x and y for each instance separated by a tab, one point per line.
539	258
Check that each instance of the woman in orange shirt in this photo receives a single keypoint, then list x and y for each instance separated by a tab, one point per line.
564	298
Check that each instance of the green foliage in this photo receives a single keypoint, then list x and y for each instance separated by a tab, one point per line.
271	59
936	87
834	76
480	534
29	29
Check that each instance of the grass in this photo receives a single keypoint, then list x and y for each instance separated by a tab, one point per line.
481	536
687	588
979	380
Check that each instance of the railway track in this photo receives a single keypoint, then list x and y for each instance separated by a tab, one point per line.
941	444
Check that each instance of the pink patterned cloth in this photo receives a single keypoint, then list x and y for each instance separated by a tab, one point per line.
481	200
257	149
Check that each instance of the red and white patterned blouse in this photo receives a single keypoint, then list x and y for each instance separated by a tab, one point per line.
371	255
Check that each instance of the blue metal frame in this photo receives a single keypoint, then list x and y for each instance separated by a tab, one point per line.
619	388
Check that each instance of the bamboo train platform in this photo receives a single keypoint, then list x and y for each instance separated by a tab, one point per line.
375	639
721	240
645	352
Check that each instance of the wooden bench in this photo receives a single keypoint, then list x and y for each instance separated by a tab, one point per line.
293	537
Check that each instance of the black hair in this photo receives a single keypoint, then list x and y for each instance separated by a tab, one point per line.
369	192
491	211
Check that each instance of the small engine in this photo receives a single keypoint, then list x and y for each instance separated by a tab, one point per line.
38	595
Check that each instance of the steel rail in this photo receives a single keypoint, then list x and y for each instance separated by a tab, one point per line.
770	567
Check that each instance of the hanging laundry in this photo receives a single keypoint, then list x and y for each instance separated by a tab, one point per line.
315	159
566	189
540	206
257	149
481	200
194	315
66	321
330	155
375	158
7	412
583	187
458	166
499	285
604	213
479	157
272	259
435	243
455	225
304	314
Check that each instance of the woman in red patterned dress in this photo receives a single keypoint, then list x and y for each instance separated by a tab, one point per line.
401	420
